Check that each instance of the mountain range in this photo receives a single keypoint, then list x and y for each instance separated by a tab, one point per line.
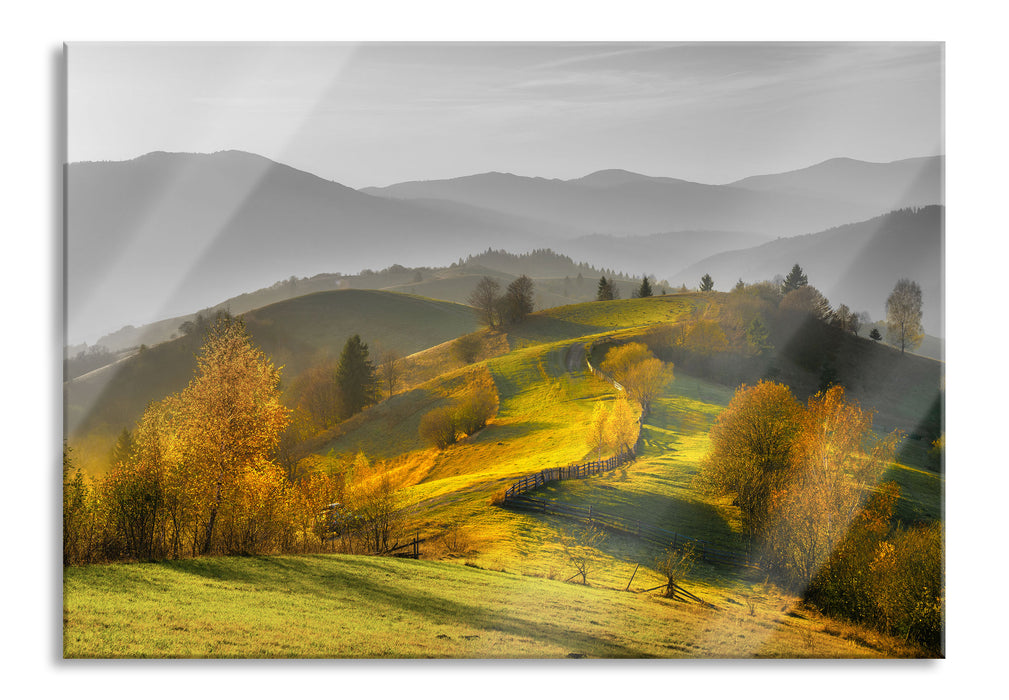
168	233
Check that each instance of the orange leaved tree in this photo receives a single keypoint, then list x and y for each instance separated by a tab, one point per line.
634	367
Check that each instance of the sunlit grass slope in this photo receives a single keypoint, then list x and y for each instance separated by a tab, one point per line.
361	607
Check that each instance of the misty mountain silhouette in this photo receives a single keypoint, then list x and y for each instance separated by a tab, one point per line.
621	202
166	234
855	264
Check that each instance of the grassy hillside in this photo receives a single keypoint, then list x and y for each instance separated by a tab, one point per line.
362	607
546	403
491	582
295	333
559	281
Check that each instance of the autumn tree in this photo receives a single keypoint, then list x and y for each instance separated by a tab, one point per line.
642	375
486	299
836	459
795	279
903	315
800	475
705	337
228	419
707	284
751	448
355	377
806	300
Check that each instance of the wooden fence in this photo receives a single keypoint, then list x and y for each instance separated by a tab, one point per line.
650	533
572	471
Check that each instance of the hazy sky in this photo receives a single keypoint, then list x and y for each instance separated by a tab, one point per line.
375	114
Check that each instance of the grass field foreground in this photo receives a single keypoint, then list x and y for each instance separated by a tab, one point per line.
365	607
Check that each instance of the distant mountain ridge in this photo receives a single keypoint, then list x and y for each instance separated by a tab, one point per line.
620	202
166	233
856	264
912	182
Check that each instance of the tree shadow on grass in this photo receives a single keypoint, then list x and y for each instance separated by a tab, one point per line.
379	583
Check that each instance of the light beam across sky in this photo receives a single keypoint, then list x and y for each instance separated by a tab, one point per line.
377	114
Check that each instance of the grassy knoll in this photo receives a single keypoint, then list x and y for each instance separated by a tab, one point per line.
362	607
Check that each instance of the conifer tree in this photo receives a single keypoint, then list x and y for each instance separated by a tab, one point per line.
604	292
707	284
795	279
645	290
355	377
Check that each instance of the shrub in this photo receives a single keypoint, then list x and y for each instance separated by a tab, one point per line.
467	348
438	427
477	406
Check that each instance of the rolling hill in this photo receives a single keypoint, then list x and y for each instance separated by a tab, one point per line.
296	334
559	281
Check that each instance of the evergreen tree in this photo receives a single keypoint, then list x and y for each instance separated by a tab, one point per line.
875	335
740	285
645	290
355	377
707	284
758	337
795	279
604	292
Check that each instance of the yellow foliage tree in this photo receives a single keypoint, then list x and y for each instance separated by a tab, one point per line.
836	461
212	442
230	418
751	450
638	371
800	475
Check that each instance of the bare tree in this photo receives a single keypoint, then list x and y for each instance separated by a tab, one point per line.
390	370
486	299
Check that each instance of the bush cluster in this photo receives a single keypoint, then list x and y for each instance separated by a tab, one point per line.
470	413
891	578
